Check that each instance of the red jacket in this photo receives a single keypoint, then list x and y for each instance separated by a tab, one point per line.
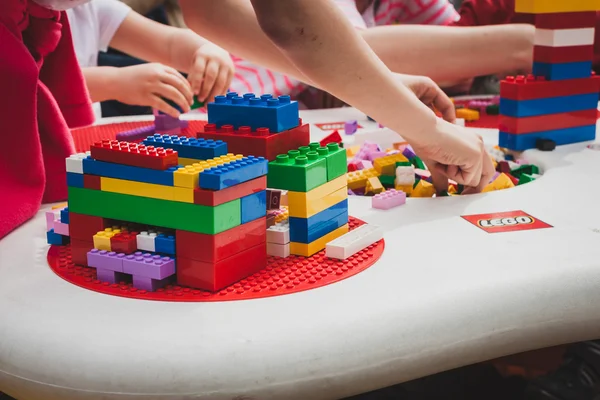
494	12
43	94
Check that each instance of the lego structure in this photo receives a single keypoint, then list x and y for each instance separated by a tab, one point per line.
557	104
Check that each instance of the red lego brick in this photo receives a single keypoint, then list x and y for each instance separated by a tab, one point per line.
333	137
124	242
207	197
260	143
565	20
84	227
216	276
555	55
503	167
514	180
134	154
214	248
79	250
541	123
91	182
530	87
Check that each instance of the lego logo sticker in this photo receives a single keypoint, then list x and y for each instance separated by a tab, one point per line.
506	222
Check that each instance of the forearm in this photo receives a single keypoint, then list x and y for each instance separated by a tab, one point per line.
452	53
100	82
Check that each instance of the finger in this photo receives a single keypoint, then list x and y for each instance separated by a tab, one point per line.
196	74
158	103
173	78
438	178
445	106
487	174
210	76
173	94
221	84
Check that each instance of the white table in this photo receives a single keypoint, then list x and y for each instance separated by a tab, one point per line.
444	294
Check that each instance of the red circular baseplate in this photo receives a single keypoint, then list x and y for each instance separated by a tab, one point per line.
281	276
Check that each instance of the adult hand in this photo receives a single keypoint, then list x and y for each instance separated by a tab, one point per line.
211	72
430	94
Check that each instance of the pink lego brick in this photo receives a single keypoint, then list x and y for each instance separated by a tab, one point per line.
61	228
423	173
388	199
108	260
51	216
350	127
364	164
376	154
147	265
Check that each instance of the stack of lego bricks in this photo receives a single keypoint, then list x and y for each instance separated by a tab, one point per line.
557	104
57	225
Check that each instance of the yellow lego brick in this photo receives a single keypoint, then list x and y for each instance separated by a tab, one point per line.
285	214
501	182
358	179
102	239
307	250
467	115
423	189
555	6
405	188
387	165
306	209
188	175
351	151
306	204
133	188
61	206
451	189
374	186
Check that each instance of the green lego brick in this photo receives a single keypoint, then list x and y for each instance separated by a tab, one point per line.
196	104
417	179
525	169
299	171
403	164
163	213
492	109
525	178
337	161
387	180
417	162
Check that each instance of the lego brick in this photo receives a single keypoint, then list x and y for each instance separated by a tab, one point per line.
105	275
253	206
566	20
148	265
64	215
212	248
306	204
279	233
124	242
266	111
387	165
278	250
91	182
423	189
573	119
149	190
102	239
164	122
467	115
108	260
273	199
551	105
307	230
146	240
61	228
216	276
354	241
547	7
307	250
559	136
165	244
358	179
74	180
149	284
75	163
501	182
299	170
333	137
404	175
79	250
531	87
136	134
388	180
548	54
389	199
133	154
189	175
350	127
199	149
564	37
168	214
563	71
260	143
233	173
51	216
55	238
215	197
335	158
84	227
126	172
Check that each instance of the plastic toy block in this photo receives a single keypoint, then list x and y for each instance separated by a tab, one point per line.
133	154
254	206
79	250
358	179
296	171
560	137
306	204
407	189
168	214
350	127
545	144
189	176
376	154
307	250
493	109
92	182
423	174
564	37
74	180
148	265
273	199
75	163
547	7
387	165
165	244
125	243
164	122
260	143
423	189
529	169
566	20
216	197
404	175
354	241
501	182
408	153
200	149
233	173
266	111
84	227
352	151
55	238
388	199
197	104
146	241
547	54
51	216
365	164
417	163
278	250
387	180
105	275
107	260
374	186
126	172
216	276
307	230
149	284
573	119
270	220
136	134
333	137
551	105
61	228
335	158
102	239
467	115
279	233
525	178
530	88
150	190
562	71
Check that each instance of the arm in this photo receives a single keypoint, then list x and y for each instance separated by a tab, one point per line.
100	82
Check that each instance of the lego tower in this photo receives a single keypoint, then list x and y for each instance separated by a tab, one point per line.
557	104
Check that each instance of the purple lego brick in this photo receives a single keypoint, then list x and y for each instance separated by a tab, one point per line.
184	123
497	174
149	284
102	259
350	127
165	122
61	228
106	275
149	265
388	199
408	153
136	134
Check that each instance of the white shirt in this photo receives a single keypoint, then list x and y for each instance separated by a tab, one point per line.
93	26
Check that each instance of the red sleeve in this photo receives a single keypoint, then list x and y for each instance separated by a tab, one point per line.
486	12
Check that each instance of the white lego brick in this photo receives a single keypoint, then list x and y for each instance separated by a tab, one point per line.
460	121
279	233
405	175
354	241
564	37
145	241
278	250
75	163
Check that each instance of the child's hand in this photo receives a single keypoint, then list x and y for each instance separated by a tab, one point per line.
211	72
430	94
149	84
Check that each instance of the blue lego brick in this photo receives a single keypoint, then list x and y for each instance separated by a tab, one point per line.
549	105
559	136
64	215
164	244
120	171
55	238
266	111
562	71
307	230
198	149
254	206
233	173
74	180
